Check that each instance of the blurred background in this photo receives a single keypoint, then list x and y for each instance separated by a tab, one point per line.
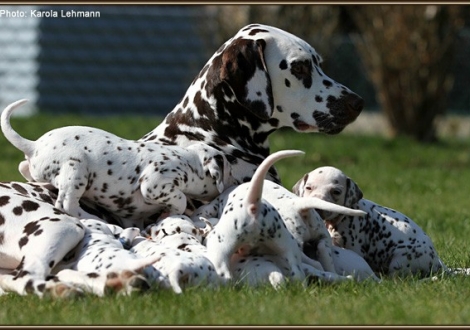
410	63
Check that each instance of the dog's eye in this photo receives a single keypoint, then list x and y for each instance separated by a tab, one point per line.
336	192
301	69
308	188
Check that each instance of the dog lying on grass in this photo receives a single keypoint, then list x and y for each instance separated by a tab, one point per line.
388	240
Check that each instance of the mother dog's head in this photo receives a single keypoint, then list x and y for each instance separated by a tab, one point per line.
277	76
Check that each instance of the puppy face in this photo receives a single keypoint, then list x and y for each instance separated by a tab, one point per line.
329	184
173	225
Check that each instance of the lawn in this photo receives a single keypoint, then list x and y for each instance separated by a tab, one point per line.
429	183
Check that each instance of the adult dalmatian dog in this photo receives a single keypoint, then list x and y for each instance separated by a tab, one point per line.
388	240
259	81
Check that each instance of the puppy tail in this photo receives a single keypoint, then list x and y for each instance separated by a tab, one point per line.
255	189
25	145
317	203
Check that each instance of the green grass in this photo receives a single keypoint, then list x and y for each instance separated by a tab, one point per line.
430	183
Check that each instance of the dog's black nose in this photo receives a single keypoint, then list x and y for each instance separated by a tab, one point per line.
355	104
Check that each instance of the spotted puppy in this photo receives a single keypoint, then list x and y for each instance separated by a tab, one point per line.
181	259
257	270
248	222
132	179
101	252
35	248
389	241
34	238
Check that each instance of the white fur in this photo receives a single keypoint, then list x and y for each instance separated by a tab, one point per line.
131	179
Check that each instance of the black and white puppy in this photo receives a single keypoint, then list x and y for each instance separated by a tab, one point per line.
388	240
134	180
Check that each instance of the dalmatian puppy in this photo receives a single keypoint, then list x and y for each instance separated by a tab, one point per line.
181	261
388	240
35	248
260	80
257	270
132	179
34	238
102	253
250	223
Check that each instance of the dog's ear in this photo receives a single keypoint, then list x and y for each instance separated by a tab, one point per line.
243	68
23	167
219	170
209	226
228	179
298	187
353	193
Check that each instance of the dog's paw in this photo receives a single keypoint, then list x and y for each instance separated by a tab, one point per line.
63	291
126	282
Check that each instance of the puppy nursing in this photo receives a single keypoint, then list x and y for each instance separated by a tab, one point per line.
250	223
131	179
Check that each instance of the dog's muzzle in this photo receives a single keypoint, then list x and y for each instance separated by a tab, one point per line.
343	111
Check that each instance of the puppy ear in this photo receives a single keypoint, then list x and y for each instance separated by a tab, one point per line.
298	188
243	69
353	193
23	167
209	226
217	168
227	174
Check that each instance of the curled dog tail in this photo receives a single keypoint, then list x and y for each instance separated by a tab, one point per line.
25	145
255	189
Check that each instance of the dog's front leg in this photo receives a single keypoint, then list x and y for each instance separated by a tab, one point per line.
309	261
324	254
220	248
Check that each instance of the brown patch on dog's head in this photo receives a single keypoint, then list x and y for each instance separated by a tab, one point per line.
242	68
